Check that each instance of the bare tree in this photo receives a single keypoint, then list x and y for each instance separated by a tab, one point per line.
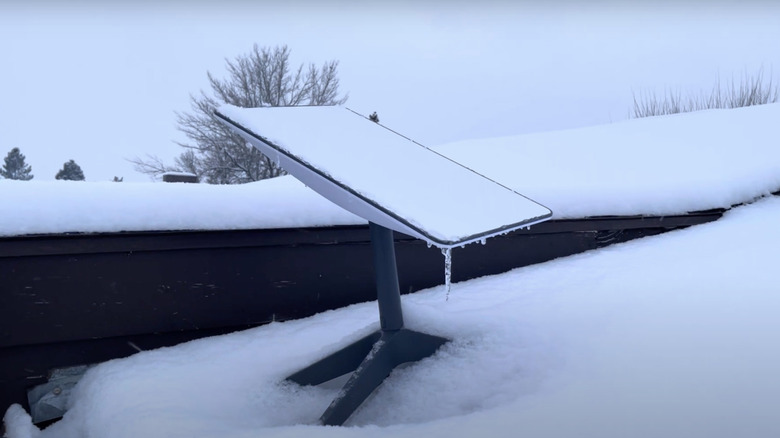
263	77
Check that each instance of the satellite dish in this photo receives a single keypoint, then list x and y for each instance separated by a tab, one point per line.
382	176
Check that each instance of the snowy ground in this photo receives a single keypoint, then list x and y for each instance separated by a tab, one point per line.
672	335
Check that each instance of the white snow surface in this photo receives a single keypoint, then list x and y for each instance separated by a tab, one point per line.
661	165
668	336
387	179
652	166
42	207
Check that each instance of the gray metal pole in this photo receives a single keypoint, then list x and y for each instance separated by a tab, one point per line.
388	293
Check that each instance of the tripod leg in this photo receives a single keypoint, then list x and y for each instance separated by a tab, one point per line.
391	350
337	364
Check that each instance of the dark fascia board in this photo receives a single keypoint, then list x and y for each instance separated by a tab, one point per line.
94	243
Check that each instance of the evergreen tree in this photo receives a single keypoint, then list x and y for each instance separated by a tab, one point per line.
15	167
70	172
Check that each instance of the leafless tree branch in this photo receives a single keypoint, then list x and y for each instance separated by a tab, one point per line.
262	77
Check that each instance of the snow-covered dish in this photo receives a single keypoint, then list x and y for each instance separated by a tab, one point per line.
382	176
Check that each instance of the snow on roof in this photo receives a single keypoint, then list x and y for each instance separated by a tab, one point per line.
652	166
655	166
40	207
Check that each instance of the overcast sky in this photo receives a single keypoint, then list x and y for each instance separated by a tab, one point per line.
100	83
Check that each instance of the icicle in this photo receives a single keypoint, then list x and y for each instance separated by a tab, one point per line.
447	270
483	241
429	243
